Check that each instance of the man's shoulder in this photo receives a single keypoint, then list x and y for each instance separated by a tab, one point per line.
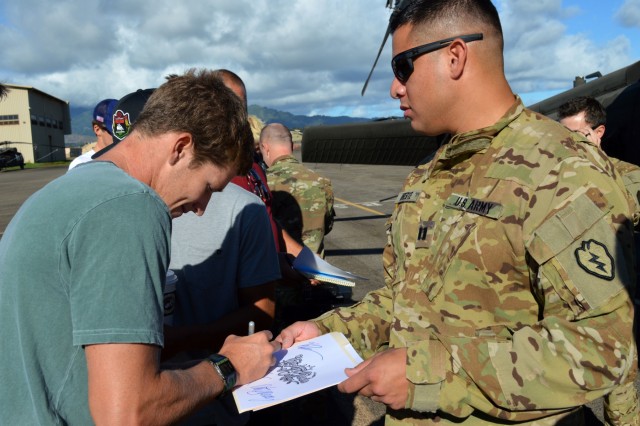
623	167
223	209
533	145
236	194
84	158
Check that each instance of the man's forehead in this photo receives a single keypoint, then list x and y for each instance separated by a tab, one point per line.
579	117
402	38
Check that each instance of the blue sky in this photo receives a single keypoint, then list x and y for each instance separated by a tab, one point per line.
301	56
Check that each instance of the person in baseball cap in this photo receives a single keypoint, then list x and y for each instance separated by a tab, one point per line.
124	115
101	121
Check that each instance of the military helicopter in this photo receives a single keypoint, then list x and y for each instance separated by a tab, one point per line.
394	142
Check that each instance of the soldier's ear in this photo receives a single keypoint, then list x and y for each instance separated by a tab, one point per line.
599	131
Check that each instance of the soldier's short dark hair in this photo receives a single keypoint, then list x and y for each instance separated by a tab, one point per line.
594	113
426	12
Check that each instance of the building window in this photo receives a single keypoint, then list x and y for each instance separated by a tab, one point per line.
9	119
34	120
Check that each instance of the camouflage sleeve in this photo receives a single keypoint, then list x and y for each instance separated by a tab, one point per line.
578	240
367	323
631	182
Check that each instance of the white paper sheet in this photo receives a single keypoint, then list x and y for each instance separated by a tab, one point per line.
304	368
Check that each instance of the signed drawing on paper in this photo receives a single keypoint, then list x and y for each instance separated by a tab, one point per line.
304	368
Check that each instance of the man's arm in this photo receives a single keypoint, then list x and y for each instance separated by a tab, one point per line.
126	385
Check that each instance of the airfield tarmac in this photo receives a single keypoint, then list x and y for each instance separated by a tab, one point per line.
364	199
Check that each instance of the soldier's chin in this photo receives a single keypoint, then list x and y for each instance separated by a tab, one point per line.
418	127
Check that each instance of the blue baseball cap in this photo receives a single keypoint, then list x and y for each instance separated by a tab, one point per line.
103	113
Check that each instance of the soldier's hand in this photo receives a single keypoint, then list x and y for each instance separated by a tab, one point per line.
251	356
297	332
381	378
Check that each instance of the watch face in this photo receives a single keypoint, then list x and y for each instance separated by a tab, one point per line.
226	369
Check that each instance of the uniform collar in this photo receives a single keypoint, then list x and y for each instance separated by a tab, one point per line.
464	144
285	159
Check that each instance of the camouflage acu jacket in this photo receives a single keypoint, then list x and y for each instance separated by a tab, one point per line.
630	174
302	201
508	270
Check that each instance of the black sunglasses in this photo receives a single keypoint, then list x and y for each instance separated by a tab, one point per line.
402	63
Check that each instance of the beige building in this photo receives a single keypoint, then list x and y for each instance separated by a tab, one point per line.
35	123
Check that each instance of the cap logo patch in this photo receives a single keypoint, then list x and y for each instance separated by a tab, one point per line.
594	258
121	124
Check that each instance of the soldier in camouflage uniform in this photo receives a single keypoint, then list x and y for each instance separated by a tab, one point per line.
509	260
303	206
302	199
588	117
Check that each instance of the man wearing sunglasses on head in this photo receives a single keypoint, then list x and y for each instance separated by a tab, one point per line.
509	259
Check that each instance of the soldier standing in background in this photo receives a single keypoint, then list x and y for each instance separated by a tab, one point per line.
302	199
588	117
509	259
303	207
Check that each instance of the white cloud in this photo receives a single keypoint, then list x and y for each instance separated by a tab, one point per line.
540	54
629	13
295	55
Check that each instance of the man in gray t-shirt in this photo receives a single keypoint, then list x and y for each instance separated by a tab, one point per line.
83	263
226	263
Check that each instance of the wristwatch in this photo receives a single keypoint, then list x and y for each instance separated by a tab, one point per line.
225	370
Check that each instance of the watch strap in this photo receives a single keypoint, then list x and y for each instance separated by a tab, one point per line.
225	370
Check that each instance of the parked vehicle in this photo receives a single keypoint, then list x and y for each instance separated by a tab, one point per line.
11	157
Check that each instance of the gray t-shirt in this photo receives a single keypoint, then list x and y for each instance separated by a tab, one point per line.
82	262
229	247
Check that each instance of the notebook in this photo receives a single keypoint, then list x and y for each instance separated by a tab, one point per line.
313	266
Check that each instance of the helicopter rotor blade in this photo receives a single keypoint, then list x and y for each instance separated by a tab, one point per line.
384	41
399	6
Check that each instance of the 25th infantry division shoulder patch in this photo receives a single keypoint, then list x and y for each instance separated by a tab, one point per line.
594	258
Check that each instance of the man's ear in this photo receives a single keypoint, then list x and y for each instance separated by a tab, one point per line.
457	57
182	147
599	131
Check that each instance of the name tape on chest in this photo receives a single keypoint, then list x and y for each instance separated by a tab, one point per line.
474	205
408	197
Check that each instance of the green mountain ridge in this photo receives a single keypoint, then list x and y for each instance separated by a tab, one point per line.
270	115
82	130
